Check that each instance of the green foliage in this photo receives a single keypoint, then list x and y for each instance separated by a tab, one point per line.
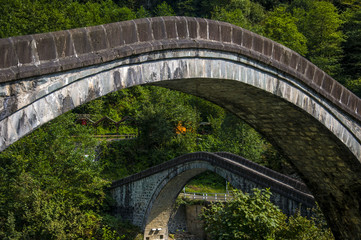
243	13
21	17
143	13
253	216
232	135
51	186
157	113
354	86
188	201
207	182
352	46
281	27
301	228
115	228
164	9
321	26
244	217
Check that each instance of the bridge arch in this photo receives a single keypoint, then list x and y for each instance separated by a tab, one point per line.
147	198
310	117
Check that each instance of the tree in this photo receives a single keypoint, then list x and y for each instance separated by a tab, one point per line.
164	9
51	187
21	17
242	13
321	26
253	216
281	27
352	46
244	217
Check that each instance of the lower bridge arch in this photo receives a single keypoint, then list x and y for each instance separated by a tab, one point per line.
147	199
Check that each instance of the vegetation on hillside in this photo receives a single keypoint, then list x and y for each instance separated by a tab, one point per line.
253	216
52	183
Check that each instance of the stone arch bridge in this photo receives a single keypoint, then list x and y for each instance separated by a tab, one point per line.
312	119
147	198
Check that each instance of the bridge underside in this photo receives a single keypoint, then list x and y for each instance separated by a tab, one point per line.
318	156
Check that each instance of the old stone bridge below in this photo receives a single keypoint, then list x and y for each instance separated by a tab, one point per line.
147	198
309	117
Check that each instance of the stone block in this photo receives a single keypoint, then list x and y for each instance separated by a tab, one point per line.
327	83
203	28
214	30
277	52
192	27
106	55
7	75
358	107
352	102
286	57
158	28
49	67
247	41
257	44
310	71
45	46
267	47
81	41
26	71
294	60
301	65
64	44
226	32
98	38
186	43
144	30
336	91
237	35
23	49
8	57
142	48
122	52
129	32
69	63
182	27
114	34
318	76
169	44
232	48
214	45
170	27
156	45
89	59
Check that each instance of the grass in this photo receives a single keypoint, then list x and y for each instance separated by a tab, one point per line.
207	182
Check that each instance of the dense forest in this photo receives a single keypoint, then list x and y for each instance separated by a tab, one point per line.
53	182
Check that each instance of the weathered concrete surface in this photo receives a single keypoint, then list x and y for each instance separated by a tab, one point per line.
147	199
311	118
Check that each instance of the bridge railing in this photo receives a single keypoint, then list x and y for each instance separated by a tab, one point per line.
207	196
116	136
